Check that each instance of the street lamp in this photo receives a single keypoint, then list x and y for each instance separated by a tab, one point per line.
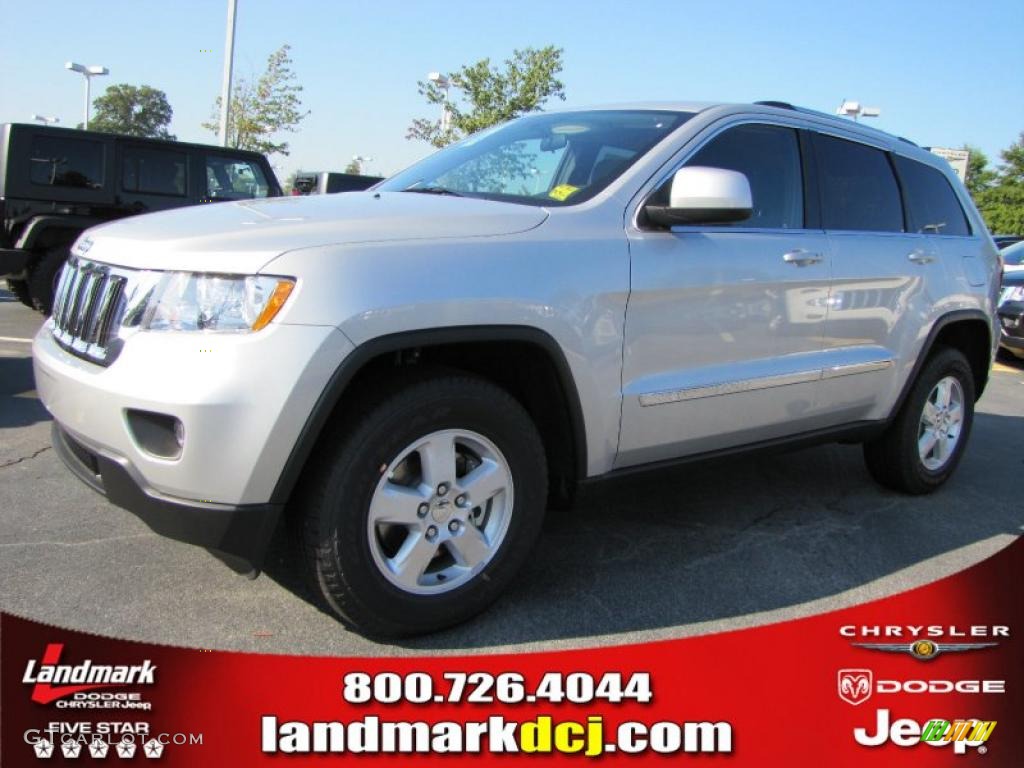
444	84
855	110
229	62
46	120
88	73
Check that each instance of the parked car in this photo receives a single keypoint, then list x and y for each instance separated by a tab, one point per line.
1013	258
57	182
410	376
326	183
1011	314
1005	241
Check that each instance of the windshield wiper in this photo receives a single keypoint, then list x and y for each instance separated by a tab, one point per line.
433	190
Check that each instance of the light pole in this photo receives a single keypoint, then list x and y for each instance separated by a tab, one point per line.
360	160
444	84
855	110
88	73
229	58
46	120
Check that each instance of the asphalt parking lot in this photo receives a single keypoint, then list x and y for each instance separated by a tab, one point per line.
678	552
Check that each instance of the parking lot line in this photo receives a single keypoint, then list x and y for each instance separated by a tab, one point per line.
15	340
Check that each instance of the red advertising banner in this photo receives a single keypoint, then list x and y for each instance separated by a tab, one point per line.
929	677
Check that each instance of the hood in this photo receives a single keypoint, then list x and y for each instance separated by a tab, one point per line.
244	236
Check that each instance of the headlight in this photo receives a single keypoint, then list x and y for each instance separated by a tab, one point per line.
186	301
1012	293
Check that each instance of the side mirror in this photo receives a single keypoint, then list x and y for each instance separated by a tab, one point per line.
700	195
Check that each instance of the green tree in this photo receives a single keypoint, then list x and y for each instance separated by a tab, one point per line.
490	94
262	108
1001	203
133	110
1012	170
1002	207
979	175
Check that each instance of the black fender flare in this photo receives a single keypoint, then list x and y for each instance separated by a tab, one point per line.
362	354
39	225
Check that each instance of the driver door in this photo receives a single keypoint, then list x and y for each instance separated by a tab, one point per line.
724	324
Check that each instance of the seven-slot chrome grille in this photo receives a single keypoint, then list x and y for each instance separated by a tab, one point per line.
87	310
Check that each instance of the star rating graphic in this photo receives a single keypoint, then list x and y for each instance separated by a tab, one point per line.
71	749
98	748
153	748
43	749
126	749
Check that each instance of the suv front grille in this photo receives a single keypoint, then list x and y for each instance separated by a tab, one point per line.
87	310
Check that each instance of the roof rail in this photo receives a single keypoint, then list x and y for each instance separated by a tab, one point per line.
901	138
777	104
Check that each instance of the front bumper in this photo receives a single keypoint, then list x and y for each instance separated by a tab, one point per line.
242	400
239	535
1011	326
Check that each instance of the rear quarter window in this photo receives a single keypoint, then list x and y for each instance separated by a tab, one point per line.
64	162
932	205
859	189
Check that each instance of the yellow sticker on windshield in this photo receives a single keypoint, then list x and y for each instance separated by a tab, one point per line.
562	191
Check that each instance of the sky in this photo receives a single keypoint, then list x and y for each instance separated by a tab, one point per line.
942	73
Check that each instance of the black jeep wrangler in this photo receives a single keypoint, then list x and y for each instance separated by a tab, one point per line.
56	182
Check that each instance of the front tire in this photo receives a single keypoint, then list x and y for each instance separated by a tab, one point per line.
20	290
42	278
424	509
924	444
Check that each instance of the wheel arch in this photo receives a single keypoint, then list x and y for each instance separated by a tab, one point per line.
967	330
543	365
49	231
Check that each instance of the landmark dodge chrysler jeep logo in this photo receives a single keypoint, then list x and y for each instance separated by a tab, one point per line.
80	677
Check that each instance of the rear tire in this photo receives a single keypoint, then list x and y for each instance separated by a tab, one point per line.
20	289
42	277
925	442
391	552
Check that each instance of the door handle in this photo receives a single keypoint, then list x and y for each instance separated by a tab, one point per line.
801	258
920	257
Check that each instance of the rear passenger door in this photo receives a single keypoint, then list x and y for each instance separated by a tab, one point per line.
885	279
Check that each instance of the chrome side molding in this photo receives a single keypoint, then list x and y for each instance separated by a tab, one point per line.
762	382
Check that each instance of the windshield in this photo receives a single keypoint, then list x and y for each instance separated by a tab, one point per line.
547	159
1014	255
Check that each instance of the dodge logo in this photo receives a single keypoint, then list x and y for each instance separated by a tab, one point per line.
855	685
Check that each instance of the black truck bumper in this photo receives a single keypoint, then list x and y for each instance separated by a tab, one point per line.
13	261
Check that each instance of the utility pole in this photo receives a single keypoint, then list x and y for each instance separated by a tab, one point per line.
229	57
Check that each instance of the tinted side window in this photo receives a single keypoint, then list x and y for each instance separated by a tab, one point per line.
769	156
932	206
153	171
60	162
859	190
228	178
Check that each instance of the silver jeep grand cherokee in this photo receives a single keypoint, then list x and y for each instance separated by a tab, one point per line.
412	375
